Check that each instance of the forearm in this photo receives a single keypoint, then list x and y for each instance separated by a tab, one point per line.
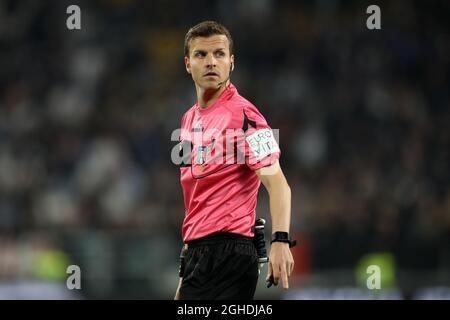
281	262
280	207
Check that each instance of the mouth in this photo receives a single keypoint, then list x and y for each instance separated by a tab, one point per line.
211	74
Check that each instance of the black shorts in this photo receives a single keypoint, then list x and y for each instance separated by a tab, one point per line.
222	266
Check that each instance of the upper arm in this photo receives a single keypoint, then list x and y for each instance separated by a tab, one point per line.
259	146
272	176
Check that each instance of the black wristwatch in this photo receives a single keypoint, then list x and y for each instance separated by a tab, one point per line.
280	236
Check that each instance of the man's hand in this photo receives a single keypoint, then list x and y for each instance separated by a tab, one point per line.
177	293
281	264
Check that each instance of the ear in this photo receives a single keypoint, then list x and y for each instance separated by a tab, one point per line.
232	62
187	64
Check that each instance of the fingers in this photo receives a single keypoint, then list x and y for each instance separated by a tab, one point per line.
177	293
269	271
289	268
269	278
284	277
275	274
279	272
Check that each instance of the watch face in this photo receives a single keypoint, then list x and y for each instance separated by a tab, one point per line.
279	235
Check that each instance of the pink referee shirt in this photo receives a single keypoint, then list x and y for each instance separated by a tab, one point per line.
228	141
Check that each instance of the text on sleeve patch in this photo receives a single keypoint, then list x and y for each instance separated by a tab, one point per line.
262	143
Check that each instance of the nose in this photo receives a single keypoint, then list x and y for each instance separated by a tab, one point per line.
210	61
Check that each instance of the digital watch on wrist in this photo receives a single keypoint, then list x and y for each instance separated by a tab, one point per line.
281	236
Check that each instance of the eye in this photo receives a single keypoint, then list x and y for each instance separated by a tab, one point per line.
199	54
220	53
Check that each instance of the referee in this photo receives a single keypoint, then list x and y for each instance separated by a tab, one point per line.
219	258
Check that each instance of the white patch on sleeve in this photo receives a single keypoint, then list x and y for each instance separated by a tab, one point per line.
262	143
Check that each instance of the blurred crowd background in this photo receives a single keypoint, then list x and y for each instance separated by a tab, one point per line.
86	118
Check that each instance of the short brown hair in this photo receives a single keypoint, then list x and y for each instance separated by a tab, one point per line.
206	29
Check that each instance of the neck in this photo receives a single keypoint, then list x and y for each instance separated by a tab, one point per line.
207	97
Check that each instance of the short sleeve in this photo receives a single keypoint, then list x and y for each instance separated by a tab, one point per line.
260	142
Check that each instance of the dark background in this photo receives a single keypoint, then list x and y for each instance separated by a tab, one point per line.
86	118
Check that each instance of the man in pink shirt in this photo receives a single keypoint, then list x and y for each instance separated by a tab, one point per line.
227	149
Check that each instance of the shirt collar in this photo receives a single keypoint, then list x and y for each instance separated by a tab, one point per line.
229	91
